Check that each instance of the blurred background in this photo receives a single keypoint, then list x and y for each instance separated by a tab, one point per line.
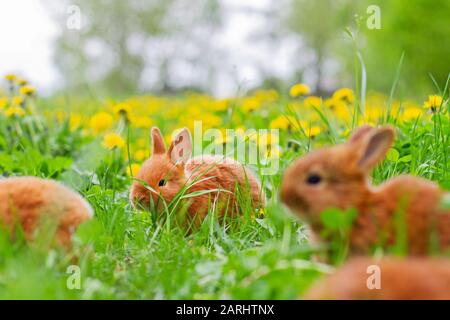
223	47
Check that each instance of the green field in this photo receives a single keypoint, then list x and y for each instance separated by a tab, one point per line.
95	145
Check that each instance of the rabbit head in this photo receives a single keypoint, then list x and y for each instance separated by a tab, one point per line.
335	177
162	175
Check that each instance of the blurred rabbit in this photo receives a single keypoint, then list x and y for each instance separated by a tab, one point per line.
399	279
167	173
338	177
28	201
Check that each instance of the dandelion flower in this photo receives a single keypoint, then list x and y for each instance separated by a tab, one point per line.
17	101
282	122
411	114
221	105
140	155
312	102
274	152
333	104
74	121
299	89
313	131
344	94
27	90
250	103
211	120
142	142
3	102
11	77
22	82
122	109
113	140
133	169
101	121
433	102
14	111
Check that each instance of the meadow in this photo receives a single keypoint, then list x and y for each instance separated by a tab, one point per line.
95	145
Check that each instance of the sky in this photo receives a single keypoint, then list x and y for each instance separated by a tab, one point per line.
27	34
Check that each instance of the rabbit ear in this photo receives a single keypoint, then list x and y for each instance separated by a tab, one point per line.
158	141
374	146
359	133
181	147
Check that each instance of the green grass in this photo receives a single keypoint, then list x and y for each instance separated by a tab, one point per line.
127	254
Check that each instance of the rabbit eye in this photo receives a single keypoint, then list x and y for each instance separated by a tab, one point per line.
313	179
162	183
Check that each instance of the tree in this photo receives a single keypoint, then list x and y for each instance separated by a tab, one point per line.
419	29
122	42
320	24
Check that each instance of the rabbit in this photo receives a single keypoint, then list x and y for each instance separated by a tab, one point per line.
414	278
168	172
338	177
28	201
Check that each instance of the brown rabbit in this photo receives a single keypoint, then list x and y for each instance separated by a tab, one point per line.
399	279
168	172
28	201
338	177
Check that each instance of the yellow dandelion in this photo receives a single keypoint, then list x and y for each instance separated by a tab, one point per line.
27	90
22	82
140	155
312	102
16	101
411	114
3	102
220	105
101	121
122	109
312	132
74	121
211	120
334	104
133	169
433	102
273	153
265	139
14	112
142	142
113	140
141	122
344	94
250	104
299	89
282	122
11	77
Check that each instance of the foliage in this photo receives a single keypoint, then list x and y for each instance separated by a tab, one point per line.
126	253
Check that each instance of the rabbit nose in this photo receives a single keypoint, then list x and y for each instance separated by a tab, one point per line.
288	193
291	197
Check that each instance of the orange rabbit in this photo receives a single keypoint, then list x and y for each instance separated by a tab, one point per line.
399	279
168	172
338	177
29	200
